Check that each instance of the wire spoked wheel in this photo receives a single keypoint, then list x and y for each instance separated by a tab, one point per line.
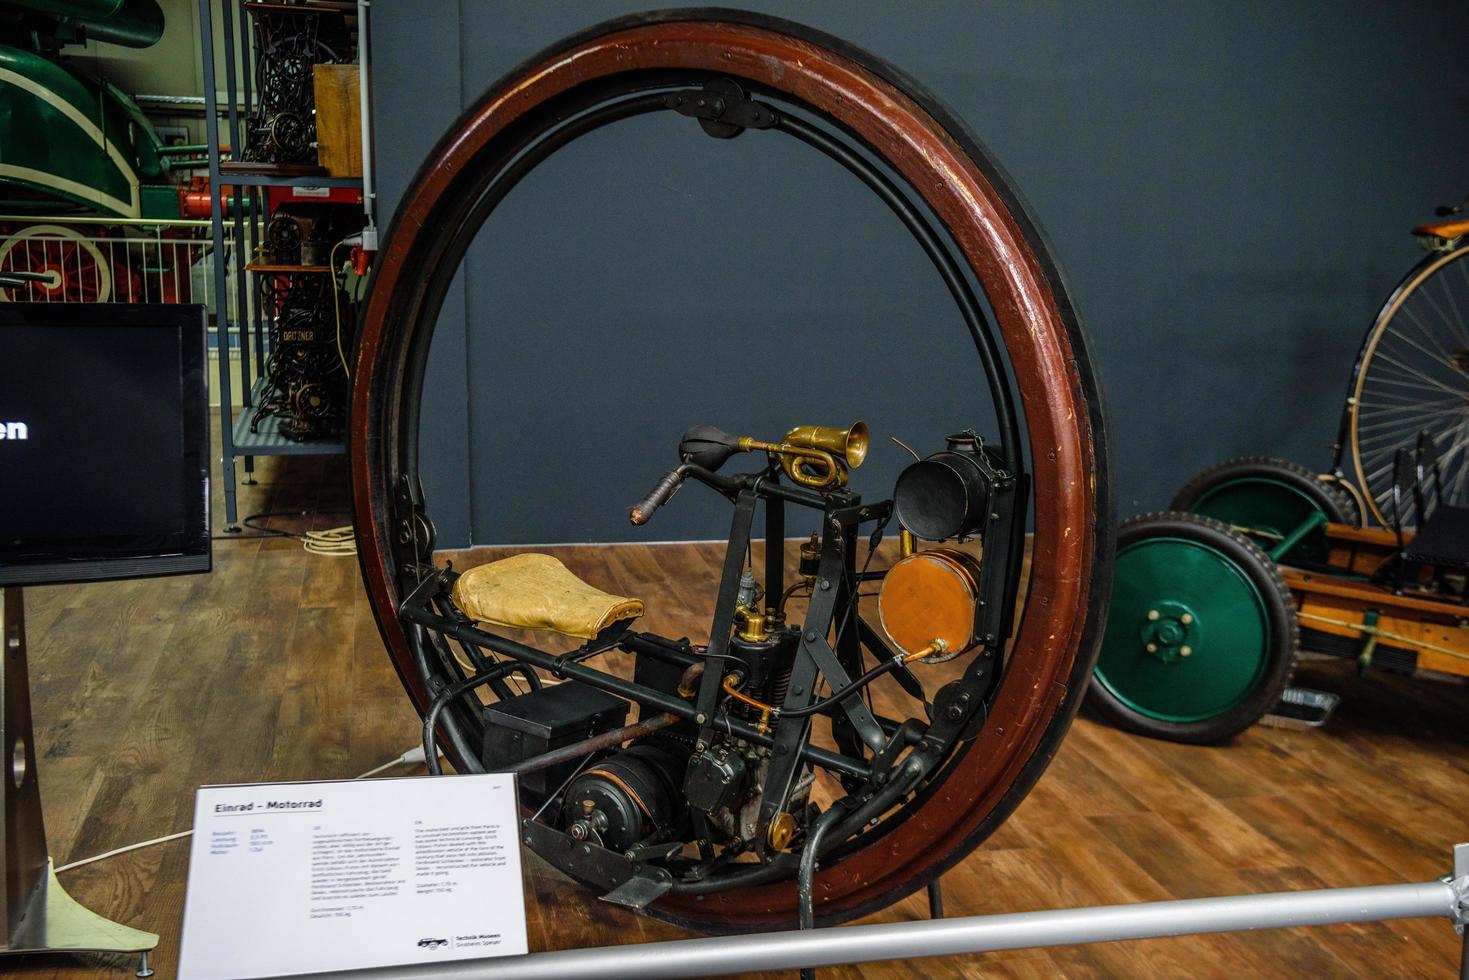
1413	376
881	126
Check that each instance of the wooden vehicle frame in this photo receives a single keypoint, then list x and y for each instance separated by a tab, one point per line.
1355	605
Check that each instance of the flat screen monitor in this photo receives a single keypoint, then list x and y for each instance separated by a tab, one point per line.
104	442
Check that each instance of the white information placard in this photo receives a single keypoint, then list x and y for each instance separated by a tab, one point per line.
298	877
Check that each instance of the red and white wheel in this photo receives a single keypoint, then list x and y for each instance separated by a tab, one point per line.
73	269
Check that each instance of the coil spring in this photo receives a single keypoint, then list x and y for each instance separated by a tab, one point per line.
772	693
779	686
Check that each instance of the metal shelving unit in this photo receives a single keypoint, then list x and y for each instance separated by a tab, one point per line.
245	206
308	180
266	439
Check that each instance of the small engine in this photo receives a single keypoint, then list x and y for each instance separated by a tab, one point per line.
643	795
726	780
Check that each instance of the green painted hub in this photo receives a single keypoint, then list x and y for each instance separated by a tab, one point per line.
1204	586
1170	630
1272	509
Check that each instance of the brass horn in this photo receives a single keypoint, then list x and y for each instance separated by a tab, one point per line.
817	456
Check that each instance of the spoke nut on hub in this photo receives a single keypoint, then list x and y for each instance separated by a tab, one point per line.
1152	614
1185	651
1186	618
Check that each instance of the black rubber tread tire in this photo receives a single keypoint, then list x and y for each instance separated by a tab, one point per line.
1348	492
1284	626
1336	504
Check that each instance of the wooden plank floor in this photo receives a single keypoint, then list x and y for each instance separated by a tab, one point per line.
271	668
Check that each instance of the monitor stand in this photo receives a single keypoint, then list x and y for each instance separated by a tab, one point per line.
39	915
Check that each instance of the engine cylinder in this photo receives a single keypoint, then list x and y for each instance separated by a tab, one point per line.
765	663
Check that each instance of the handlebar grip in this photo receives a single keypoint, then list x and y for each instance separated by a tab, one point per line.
666	488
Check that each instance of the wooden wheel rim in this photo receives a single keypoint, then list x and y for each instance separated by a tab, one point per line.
1056	640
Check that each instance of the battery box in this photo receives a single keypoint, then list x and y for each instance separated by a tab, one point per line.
555	715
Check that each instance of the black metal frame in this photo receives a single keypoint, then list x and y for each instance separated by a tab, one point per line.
834	601
236	82
725	110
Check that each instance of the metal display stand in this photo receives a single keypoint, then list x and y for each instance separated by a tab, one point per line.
237	437
1447	897
40	916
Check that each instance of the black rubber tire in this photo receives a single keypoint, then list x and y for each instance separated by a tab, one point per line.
1338	506
1285	633
1348	492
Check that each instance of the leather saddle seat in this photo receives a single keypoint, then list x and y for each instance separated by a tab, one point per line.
537	592
1444	229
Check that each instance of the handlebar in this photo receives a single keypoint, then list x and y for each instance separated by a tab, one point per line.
761	483
665	488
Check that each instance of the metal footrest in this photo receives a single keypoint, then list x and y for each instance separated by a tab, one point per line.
1301	707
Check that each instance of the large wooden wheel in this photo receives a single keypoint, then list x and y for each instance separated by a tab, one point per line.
945	170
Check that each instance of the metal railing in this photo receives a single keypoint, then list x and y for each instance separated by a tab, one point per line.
115	260
906	941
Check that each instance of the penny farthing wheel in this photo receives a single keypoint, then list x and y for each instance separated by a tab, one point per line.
1412	376
769	79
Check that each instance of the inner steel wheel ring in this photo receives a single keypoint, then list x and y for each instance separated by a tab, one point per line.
896	121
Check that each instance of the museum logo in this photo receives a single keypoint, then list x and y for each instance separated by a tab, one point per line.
14	430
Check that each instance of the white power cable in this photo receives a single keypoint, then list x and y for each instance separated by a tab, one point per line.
338	541
124	850
414	756
334	541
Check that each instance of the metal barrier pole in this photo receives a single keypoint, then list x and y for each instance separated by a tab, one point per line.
947	937
364	99
221	285
237	213
1461	914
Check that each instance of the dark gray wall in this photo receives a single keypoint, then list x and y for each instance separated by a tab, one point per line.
1227	185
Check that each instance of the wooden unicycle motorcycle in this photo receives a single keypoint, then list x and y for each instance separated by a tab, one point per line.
701	811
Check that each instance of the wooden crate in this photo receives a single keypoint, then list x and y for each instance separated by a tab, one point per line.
338	120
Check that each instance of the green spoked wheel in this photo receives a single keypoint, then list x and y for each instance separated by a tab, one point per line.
1201	633
1282	505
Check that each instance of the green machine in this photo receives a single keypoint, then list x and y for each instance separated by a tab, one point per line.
67	140
1202	631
